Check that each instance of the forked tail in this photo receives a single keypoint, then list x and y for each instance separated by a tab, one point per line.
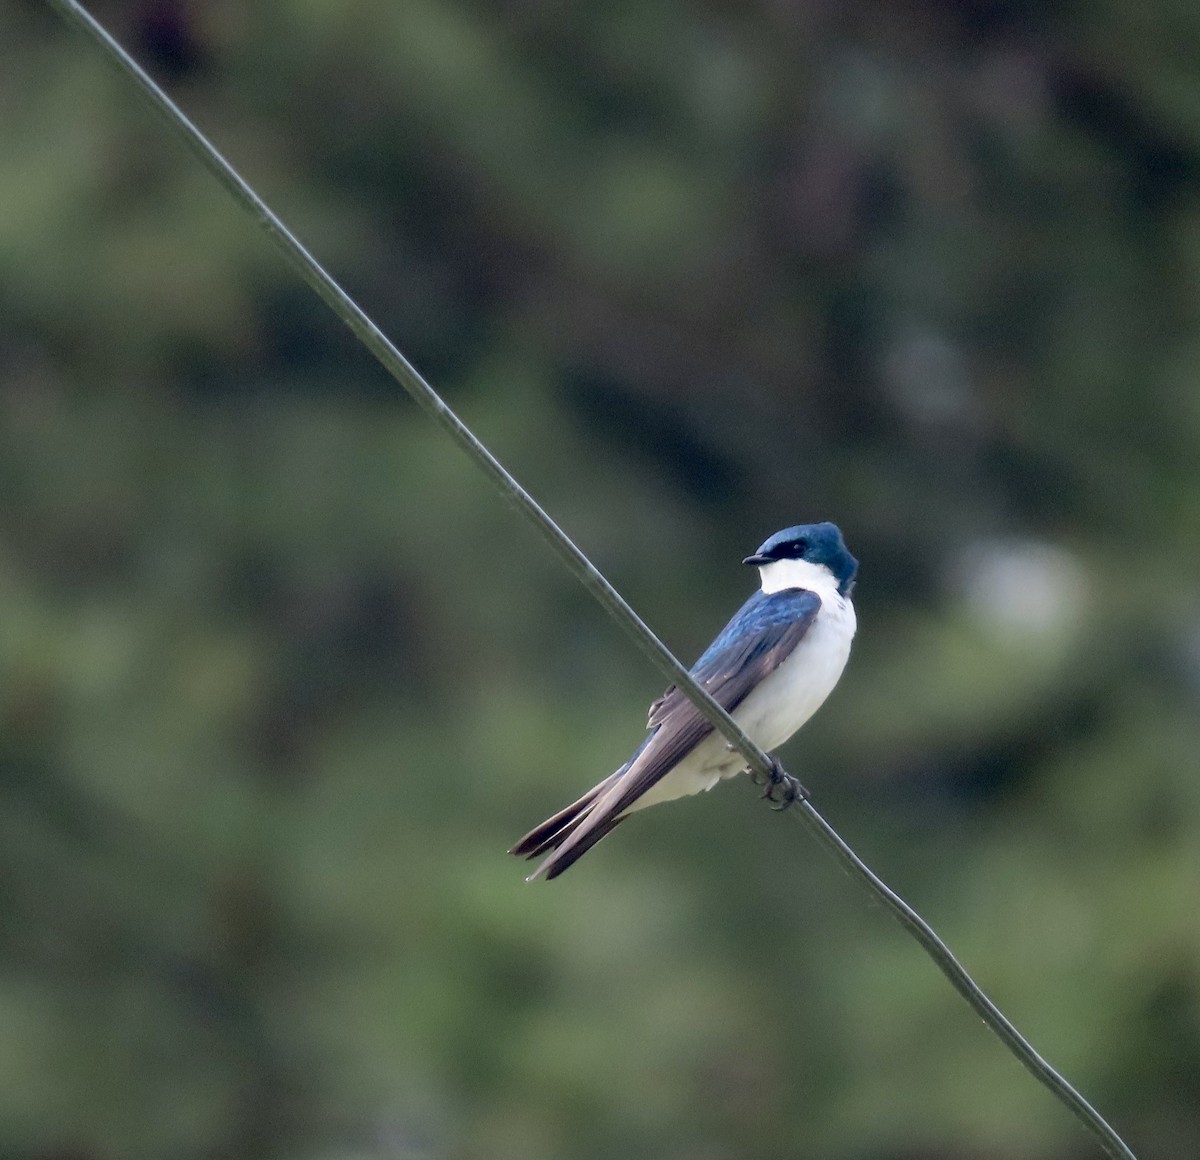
555	831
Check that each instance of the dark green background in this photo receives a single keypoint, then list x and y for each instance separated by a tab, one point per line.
282	677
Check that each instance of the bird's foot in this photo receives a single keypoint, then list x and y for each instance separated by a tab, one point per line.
782	789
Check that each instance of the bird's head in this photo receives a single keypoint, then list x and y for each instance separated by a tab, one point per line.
817	545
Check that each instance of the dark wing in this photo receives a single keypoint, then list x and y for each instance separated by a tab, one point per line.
764	631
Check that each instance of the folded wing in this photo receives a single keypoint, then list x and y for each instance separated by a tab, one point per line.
765	630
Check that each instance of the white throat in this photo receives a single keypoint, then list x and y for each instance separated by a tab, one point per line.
781	574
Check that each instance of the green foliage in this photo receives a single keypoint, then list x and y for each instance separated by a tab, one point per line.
282	679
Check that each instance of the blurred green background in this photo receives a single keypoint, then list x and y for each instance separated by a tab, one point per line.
283	678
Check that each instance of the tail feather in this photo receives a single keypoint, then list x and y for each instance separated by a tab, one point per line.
559	829
553	831
563	859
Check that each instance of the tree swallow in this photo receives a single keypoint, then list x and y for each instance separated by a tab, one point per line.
771	666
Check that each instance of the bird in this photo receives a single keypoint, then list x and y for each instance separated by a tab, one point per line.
772	666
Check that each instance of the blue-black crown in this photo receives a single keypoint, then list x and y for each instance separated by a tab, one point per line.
816	543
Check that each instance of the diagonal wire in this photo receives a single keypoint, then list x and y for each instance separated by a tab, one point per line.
760	765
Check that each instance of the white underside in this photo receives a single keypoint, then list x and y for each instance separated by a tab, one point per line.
786	698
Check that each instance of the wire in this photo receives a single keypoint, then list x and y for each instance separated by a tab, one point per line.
762	767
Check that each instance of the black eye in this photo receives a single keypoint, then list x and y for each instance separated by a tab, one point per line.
797	548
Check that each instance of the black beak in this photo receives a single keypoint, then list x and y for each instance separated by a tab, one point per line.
758	559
